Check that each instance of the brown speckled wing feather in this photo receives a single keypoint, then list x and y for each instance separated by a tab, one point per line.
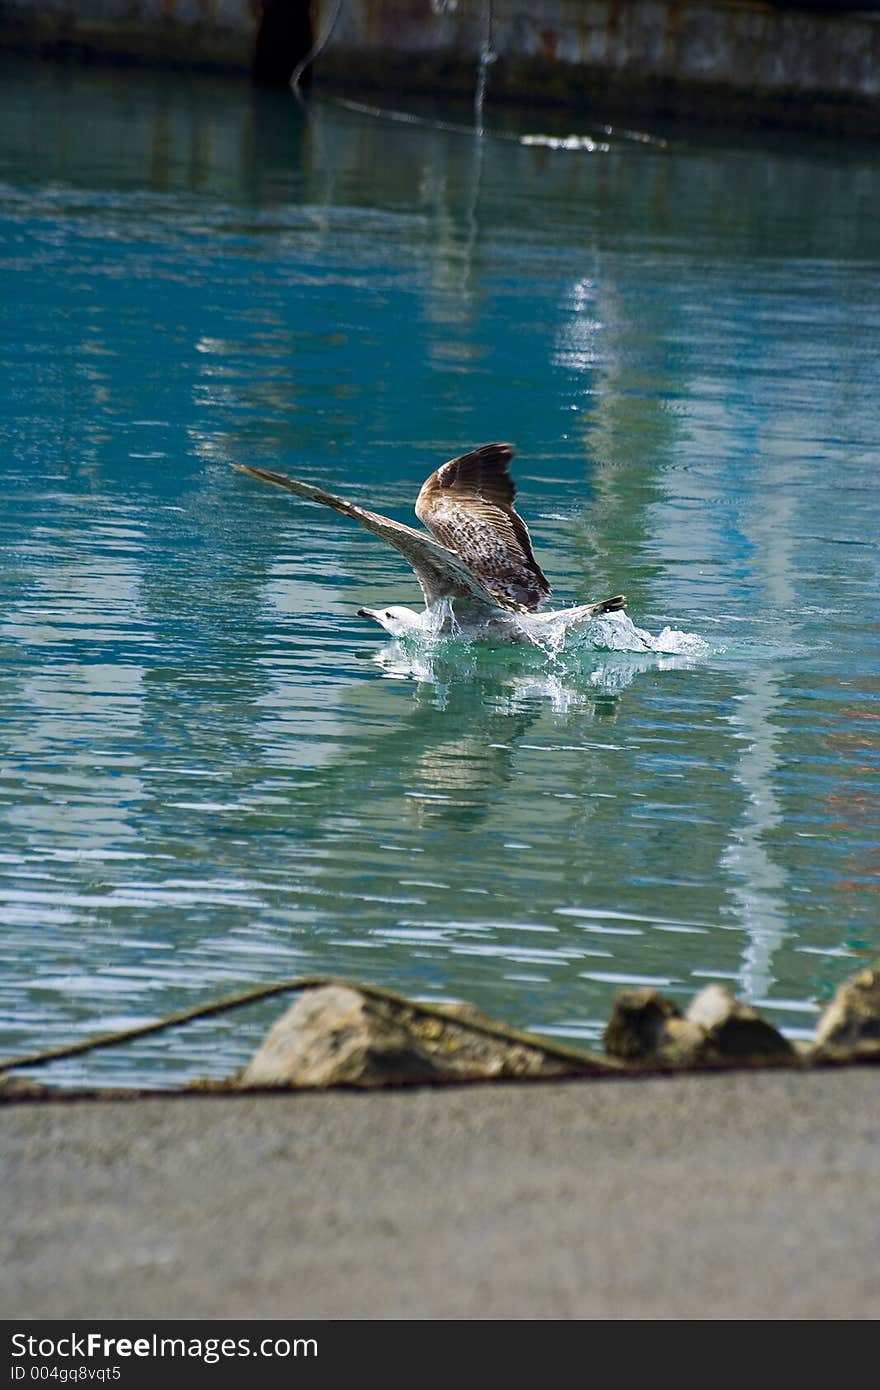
468	506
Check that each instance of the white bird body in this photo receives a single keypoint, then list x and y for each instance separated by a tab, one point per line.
444	620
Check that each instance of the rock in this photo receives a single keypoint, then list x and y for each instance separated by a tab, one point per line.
851	1023
685	1044
21	1088
646	1026
732	1029
337	1035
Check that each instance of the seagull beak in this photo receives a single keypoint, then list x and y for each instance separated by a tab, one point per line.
365	613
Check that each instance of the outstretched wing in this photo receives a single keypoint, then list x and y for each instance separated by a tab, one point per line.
468	505
440	572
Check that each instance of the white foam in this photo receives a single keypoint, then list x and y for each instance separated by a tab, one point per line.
568	654
615	632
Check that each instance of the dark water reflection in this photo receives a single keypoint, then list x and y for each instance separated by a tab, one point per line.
212	773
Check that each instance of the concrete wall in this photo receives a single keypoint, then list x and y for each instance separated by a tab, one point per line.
185	33
745	60
727	58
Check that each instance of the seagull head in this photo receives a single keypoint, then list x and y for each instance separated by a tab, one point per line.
398	621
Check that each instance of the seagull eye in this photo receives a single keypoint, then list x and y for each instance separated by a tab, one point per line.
388	614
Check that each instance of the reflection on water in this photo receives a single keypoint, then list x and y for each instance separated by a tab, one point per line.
213	772
567	676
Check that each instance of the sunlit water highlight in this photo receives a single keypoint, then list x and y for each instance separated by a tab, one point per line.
214	773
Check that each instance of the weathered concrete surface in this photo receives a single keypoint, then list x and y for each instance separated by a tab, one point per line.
741	59
186	33
728	1196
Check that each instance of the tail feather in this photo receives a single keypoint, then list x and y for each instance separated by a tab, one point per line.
586	612
579	616
611	605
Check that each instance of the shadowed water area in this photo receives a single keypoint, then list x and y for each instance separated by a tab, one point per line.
213	773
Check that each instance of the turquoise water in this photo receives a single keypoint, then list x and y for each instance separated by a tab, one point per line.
213	773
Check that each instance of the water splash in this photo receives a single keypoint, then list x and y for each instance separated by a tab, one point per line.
441	620
555	636
520	671
564	665
615	632
549	638
558	635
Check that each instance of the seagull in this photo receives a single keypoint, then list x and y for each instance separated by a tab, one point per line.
475	564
